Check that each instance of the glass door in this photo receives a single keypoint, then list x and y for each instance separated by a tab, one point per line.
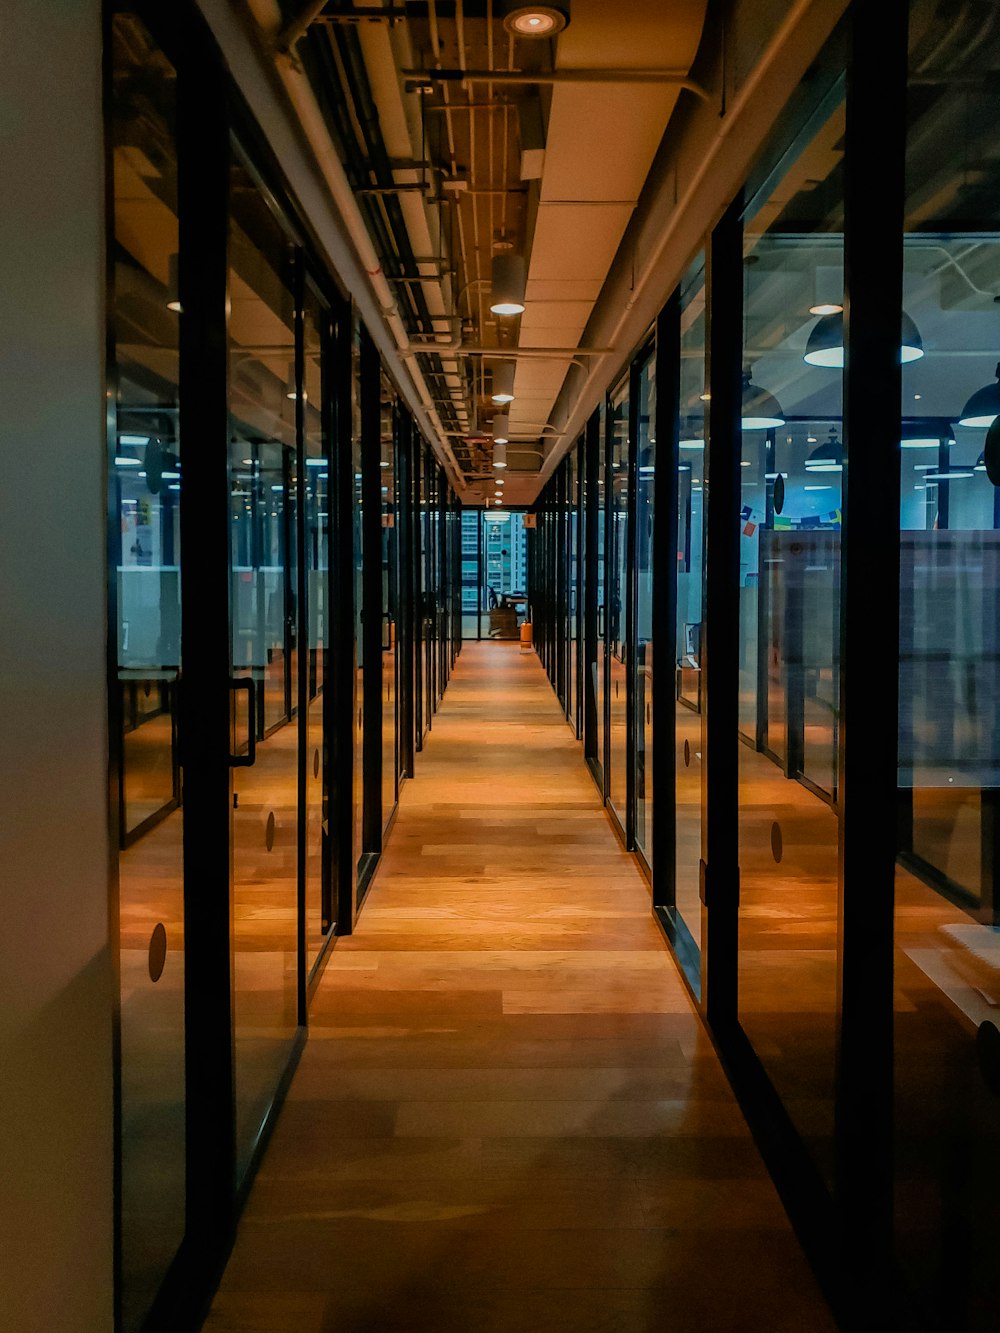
264	386
144	556
689	465
643	656
390	584
620	450
595	625
317	338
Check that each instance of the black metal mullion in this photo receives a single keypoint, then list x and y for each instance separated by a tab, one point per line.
720	650
875	146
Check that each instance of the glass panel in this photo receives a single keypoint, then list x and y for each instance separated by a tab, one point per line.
357	510
390	717
598	666
145	491
946	960
618	592
690	563
792	461
573	584
263	526
645	454
315	326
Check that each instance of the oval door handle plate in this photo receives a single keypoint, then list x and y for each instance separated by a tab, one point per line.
777	842
687	754
779	493
988	1053
316	763
269	832
158	951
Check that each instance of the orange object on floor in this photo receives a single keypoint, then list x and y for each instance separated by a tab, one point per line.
526	637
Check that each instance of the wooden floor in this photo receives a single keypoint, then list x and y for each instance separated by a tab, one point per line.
508	1115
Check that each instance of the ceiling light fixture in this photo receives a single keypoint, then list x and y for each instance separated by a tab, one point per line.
826	308
827	457
501	425
535	21
983	407
500	455
503	382
761	410
509	276
825	344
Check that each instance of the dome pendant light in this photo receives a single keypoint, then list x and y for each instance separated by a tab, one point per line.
500	455
983	407
761	410
503	382
825	345
501	425
991	452
509	275
827	457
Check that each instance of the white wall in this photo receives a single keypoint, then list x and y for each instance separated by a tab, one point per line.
56	1145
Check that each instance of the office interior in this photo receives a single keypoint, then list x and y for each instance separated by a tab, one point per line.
281	463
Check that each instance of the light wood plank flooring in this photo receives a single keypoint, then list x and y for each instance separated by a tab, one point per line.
508	1115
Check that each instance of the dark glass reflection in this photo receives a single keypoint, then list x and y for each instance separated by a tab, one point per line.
264	384
145	488
947	954
619	463
789	619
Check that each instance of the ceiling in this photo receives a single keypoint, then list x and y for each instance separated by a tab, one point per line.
449	171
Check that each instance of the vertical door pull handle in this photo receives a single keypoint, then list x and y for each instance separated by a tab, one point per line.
250	685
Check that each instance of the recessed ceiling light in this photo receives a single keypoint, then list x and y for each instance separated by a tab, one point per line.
535	21
827	308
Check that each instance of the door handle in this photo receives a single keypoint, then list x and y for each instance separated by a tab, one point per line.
250	685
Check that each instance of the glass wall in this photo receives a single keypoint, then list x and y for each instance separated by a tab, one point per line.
689	741
619	463
946	1040
390	582
264	386
789	616
645	446
145	555
316	338
574	487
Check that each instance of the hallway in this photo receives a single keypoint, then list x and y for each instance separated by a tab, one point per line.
508	1115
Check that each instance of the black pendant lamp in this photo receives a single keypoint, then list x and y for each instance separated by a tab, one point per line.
983	407
828	456
760	410
825	345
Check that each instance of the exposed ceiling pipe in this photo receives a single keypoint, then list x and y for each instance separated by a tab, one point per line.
674	77
268	16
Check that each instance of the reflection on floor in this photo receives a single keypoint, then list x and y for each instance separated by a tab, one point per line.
788	942
688	769
148	768
508	1116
